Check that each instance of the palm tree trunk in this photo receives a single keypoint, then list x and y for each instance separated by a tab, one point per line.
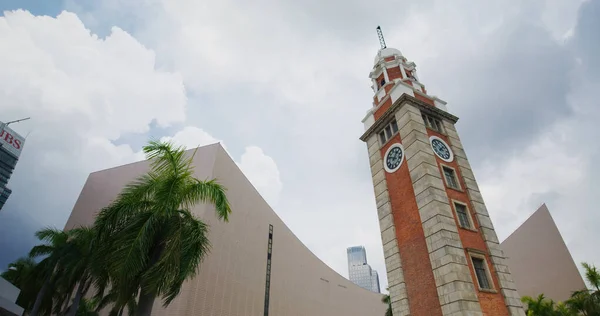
146	300
77	299
145	304
38	300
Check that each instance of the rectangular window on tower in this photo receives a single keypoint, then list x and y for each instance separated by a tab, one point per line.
388	132
462	214
450	177
433	123
482	273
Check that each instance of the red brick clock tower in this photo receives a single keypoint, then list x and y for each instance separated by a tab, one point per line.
442	254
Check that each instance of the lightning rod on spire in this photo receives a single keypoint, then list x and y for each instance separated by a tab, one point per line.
381	39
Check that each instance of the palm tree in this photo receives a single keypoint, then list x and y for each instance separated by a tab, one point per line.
540	306
81	265
593	276
156	242
585	301
87	308
21	273
54	248
117	309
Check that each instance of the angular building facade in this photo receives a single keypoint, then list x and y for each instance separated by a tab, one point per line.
359	271
441	251
257	266
539	259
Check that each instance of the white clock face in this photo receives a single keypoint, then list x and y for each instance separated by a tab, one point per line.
441	149
393	158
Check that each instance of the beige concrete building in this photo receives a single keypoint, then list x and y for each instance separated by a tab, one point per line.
539	259
233	279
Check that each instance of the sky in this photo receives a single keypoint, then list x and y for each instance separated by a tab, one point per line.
284	86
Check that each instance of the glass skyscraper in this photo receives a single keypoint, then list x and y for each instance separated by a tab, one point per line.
359	272
11	145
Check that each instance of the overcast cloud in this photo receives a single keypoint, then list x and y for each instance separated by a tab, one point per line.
284	86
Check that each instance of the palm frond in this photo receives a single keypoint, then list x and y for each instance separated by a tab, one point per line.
131	246
148	238
40	251
51	235
166	158
592	275
207	192
193	249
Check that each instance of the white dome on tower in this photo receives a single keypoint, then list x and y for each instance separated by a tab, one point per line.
386	52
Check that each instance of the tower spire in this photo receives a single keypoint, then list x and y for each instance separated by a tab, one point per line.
381	39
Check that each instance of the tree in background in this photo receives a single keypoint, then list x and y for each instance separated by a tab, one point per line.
81	267
586	301
541	306
387	301
49	269
21	273
144	245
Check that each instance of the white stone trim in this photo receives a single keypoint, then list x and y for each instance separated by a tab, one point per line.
452	277
376	73
507	288
451	158
385	166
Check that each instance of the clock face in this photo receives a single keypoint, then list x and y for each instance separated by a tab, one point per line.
393	157
441	149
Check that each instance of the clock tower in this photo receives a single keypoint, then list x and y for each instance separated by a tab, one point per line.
442	254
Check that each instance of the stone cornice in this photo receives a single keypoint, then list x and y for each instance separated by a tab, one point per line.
403	99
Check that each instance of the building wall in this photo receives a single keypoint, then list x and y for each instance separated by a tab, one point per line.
539	259
491	302
232	278
8	296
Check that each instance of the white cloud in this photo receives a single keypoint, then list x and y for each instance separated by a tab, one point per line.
291	78
259	168
82	92
545	172
191	137
262	171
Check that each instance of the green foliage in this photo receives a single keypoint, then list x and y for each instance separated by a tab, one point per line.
87	308
583	302
145	244
152	241
541	306
21	274
388	301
